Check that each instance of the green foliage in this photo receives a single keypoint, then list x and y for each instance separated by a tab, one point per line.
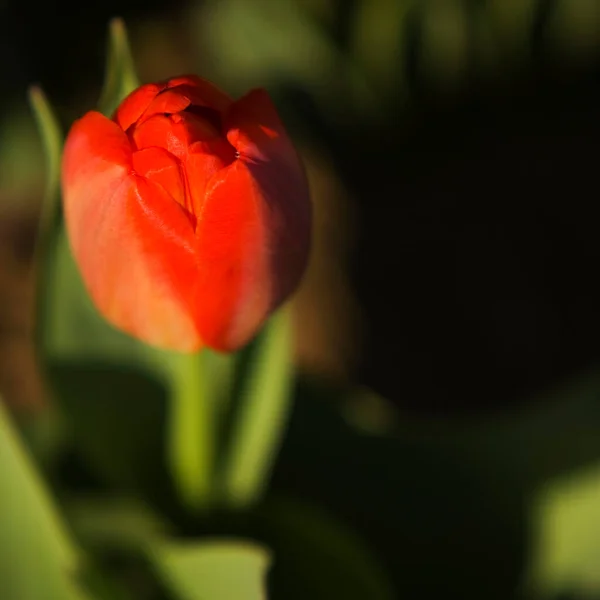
120	78
213	569
38	560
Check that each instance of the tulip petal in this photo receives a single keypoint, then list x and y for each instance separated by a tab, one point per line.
256	132
253	239
133	244
134	105
161	167
166	102
97	156
173	132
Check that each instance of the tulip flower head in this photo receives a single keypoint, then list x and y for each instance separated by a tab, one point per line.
188	213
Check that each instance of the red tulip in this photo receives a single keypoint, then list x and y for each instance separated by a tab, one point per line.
188	213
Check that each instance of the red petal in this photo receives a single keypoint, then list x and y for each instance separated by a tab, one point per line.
203	161
133	244
173	132
167	102
256	132
134	105
253	239
161	167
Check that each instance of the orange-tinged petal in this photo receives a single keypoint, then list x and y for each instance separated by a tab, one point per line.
97	156
133	244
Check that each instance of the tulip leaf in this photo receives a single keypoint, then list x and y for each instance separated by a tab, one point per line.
114	522
52	137
116	416
38	560
51	134
566	521
259	422
120	77
213	569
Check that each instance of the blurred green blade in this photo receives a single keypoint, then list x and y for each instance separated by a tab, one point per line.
37	560
263	411
566	516
50	213
120	78
214	570
52	141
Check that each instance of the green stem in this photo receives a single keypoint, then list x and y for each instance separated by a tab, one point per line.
192	432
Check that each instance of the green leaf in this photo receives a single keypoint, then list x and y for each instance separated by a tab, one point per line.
319	557
50	213
116	415
52	142
120	78
566	522
109	522
213	569
38	560
259	422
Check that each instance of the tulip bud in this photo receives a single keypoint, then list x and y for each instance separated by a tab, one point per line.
188	213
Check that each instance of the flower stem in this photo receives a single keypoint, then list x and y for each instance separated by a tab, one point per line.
192	432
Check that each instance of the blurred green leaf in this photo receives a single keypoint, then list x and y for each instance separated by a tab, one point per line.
444	48
213	569
566	523
379	41
38	559
259	424
117	416
50	213
21	159
318	557
287	42
52	138
102	522
574	27
120	78
513	22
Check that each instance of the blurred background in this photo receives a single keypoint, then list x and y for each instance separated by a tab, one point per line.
452	152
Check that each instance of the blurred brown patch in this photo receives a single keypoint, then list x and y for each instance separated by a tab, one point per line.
20	382
326	315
